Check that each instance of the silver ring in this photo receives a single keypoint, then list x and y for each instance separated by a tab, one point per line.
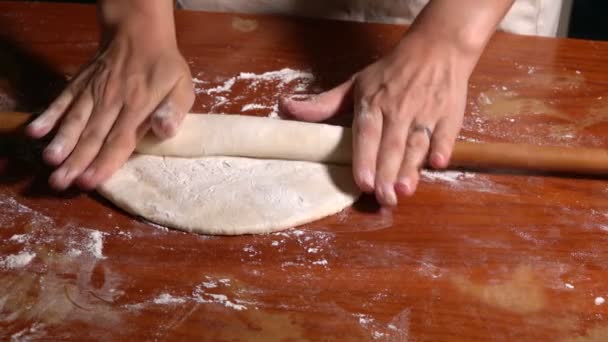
422	128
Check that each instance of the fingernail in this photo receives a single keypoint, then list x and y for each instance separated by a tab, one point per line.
367	178
38	123
437	159
54	149
388	192
168	125
300	97
404	187
58	178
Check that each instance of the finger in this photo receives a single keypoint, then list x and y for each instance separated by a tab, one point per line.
170	113
443	141
92	137
70	130
367	129
318	107
119	145
390	157
46	121
416	153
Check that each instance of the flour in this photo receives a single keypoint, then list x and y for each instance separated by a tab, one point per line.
166	298
464	180
599	301
285	76
266	88
12	210
446	176
95	245
200	296
17	260
20	238
255	106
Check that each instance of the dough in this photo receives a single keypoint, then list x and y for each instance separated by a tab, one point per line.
251	136
233	195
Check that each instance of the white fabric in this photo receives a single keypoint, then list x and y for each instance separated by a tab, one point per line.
531	17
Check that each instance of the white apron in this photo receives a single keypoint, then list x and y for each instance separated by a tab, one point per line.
531	17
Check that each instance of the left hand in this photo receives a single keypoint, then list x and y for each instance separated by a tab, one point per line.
408	109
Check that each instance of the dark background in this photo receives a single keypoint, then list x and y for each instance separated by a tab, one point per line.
589	18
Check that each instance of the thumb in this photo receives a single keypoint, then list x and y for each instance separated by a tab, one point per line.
170	113
318	107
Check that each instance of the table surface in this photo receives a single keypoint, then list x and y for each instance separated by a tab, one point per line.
472	256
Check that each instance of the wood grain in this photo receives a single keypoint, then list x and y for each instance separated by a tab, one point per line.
471	257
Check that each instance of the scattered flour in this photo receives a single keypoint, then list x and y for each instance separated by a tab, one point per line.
166	298
29	333
274	83
377	335
20	238
73	252
95	245
364	320
200	296
255	106
599	300
12	210
209	284
17	260
446	176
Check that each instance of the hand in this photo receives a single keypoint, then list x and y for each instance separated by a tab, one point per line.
408	108
137	80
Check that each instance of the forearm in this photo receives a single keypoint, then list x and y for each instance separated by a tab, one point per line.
153	16
466	25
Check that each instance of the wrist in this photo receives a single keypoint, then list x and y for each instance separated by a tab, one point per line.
460	42
464	26
137	17
440	51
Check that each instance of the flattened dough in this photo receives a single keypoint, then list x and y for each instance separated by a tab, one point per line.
233	195
229	195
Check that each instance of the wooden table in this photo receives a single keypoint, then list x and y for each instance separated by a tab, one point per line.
471	257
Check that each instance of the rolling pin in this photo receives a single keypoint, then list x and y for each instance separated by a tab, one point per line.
211	135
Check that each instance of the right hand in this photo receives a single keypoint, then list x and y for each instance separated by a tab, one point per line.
138	80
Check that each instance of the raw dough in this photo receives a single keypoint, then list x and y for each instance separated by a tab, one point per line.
251	136
230	195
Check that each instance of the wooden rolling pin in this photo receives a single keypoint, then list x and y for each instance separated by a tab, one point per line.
504	156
